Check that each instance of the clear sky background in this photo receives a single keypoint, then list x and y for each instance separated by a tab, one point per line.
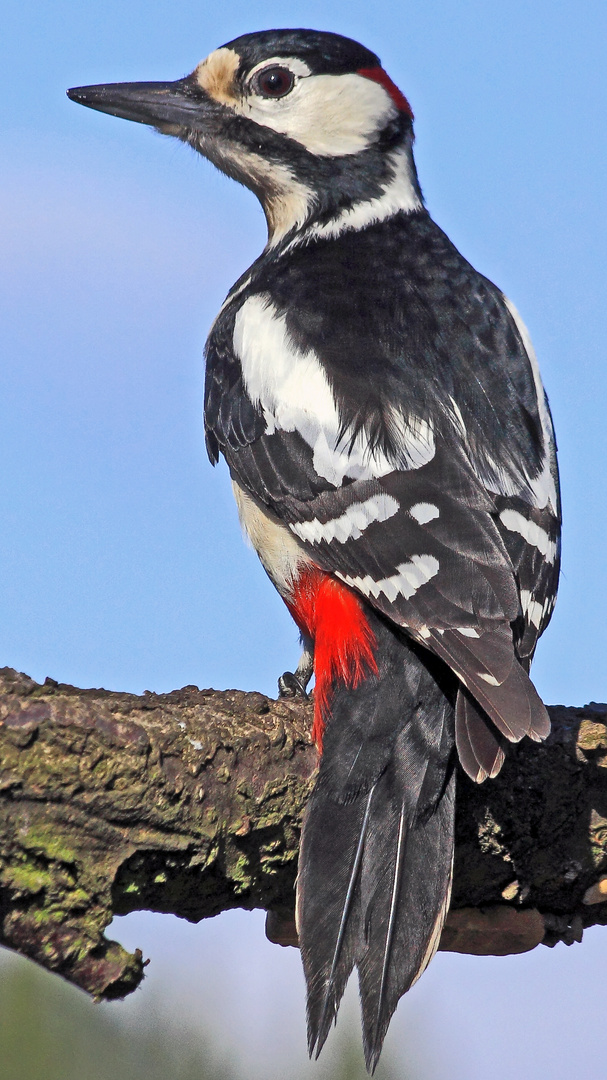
121	562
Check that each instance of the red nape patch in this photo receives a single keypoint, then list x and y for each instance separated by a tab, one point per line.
378	75
332	616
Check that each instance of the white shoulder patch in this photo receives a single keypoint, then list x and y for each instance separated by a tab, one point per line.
292	390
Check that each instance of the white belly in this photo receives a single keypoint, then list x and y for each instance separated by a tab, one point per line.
279	551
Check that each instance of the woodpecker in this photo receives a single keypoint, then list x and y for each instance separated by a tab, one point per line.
379	405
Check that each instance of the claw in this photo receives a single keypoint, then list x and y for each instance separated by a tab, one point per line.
294	684
290	686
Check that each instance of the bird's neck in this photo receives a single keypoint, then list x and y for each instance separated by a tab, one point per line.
300	208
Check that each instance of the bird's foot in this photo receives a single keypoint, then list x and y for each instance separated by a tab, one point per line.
291	686
294	684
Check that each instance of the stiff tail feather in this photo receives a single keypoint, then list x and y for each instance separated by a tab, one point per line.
377	845
406	880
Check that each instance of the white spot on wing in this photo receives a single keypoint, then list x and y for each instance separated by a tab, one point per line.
531	532
424	512
351	524
532	609
467	631
456	417
293	391
409	577
488	679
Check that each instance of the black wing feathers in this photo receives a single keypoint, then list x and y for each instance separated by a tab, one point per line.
230	419
479	747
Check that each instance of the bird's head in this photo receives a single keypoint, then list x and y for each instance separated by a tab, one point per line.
308	120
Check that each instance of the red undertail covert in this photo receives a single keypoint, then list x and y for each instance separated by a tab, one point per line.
331	615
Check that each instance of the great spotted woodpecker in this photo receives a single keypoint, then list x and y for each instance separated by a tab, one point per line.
379	405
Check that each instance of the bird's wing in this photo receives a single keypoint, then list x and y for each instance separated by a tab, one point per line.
451	537
423	547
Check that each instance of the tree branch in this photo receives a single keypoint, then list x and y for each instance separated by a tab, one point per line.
191	803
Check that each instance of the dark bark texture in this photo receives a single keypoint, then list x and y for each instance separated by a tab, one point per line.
191	803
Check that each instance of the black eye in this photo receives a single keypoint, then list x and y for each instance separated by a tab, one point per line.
274	82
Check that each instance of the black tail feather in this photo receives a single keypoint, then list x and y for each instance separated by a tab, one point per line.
328	906
406	881
404	923
376	854
323	1006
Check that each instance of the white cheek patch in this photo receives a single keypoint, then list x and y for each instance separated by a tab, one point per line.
409	577
331	115
424	512
532	533
351	524
292	390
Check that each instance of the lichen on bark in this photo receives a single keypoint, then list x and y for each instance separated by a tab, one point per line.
191	803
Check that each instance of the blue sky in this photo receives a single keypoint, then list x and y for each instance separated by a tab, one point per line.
121	562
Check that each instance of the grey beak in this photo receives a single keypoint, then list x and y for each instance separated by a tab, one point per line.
155	103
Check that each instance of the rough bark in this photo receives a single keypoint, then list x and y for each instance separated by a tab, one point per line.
191	803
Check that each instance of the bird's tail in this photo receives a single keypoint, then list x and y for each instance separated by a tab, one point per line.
377	847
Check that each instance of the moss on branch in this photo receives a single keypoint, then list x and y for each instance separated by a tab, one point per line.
191	803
